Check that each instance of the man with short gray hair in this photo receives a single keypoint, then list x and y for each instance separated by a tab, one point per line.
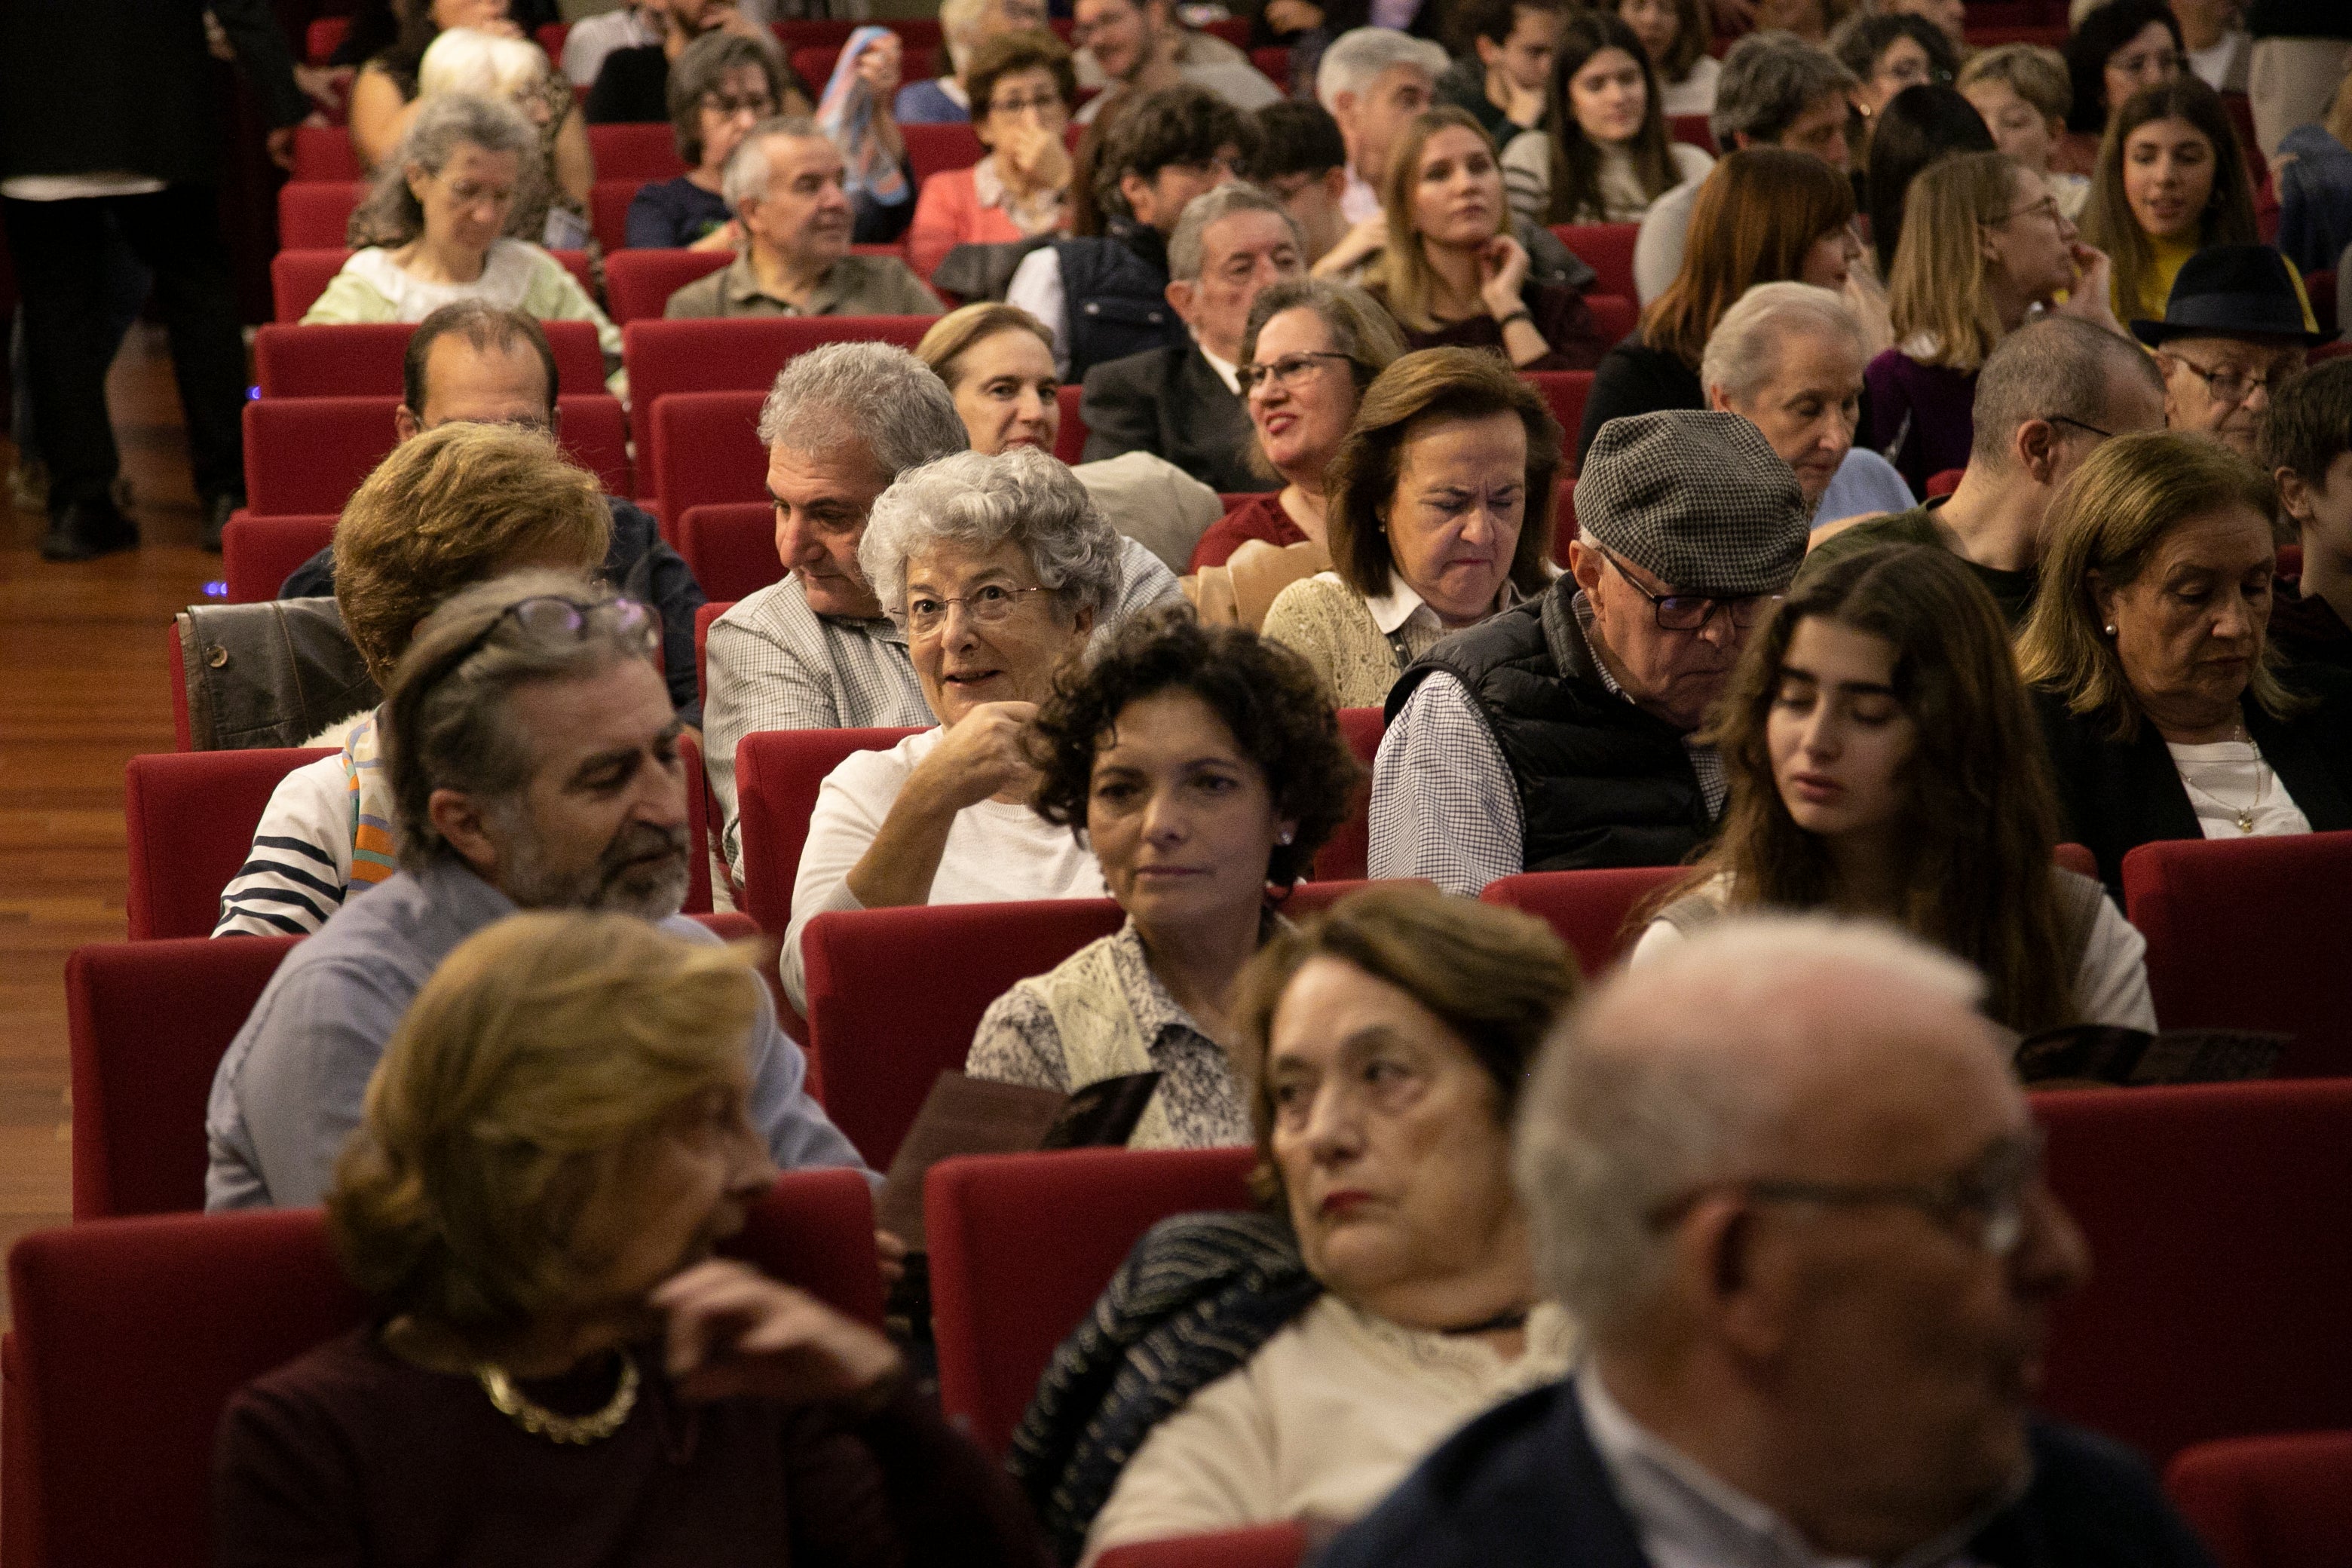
1184	403
1786	1183
533	758
1566	732
2049	395
786	184
1374	80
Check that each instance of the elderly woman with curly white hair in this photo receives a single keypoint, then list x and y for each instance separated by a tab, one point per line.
997	569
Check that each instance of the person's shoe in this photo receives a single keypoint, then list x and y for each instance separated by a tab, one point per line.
86	531
28	484
216	515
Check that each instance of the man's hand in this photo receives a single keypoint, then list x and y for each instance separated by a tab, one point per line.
733	1332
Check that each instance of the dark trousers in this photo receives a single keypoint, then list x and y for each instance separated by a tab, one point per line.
60	248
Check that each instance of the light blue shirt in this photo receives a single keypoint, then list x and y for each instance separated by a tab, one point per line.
1864	483
288	1092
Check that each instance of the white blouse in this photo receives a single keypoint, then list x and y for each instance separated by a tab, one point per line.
2229	782
1695	94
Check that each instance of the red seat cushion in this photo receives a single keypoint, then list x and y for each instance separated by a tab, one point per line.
1070	435
363	358
316	215
638	283
709	454
936	149
1347	853
777	775
2269	1502
1564	393
259	553
1693	128
1589	909
636	152
608	218
1608	250
1613	317
325	154
732	547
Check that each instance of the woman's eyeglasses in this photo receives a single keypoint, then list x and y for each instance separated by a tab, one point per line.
759	106
987	606
1043	102
1287	371
2046	207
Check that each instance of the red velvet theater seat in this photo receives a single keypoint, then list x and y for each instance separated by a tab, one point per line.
1267	1546
1589	909
731	546
191	818
305	456
363	358
1608	250
2269	1502
259	553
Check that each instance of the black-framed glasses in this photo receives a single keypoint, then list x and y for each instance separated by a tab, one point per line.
2046	207
1690	611
991	604
1982	1202
2227	384
1287	371
726	106
551	618
2079	425
1041	103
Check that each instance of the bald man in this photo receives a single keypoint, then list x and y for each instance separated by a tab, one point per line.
1786	1181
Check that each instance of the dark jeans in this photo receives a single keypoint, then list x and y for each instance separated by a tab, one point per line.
60	250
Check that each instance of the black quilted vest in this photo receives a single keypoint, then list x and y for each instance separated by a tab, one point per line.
1601	782
1115	294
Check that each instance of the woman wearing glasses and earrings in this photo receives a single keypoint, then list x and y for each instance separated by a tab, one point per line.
1882	760
724	85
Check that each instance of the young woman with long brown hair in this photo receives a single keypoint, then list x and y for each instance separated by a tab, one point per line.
2170	181
1604	155
1883	762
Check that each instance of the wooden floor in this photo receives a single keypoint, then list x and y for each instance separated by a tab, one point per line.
82	689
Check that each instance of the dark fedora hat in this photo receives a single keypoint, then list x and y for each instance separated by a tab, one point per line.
2234	291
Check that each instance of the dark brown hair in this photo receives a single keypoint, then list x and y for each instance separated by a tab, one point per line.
1008	52
1575	160
2229	215
1757	213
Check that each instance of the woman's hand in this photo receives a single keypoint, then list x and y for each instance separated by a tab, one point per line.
1357	246
879	66
733	1332
1030	157
1502	274
2088	298
981	756
728	237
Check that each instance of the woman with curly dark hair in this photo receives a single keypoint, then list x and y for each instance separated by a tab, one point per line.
1203	766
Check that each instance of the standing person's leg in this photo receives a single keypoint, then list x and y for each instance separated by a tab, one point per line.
58	248
176	232
2292	82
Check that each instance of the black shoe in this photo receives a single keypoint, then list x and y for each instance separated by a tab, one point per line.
216	515
85	531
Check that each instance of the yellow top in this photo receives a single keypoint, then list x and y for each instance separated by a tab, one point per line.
2156	286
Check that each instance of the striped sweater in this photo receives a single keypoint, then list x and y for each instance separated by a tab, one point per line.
327	830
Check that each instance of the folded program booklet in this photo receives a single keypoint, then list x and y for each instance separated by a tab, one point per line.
2088	1054
965	1115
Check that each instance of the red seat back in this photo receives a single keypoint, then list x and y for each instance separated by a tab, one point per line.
1608	250
636	152
2269	1502
1693	128
732	547
936	149
1614	316
306	455
2250	933
1070	435
1346	854
707	453
2221	1281
777	775
324	152
1589	909
638	283
190	818
608	217
131	1336
698	826
1564	392
2320	287
1266	1546
363	359
298	275
259	553
703	616
1021	1245
316	215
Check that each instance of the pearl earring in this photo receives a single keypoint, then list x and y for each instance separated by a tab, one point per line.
2111	631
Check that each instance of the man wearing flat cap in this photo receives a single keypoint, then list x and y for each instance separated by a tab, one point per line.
1563	733
2237	324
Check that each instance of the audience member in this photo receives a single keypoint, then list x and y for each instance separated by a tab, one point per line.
1503	63
2307	446
2023	95
557	1141
1673	35
1775	91
437	208
1105	296
1301	1361
943	817
2147	648
551	209
1439	517
1888	51
725	84
1949	16
633	83
998	362
445	511
631	25
787	184
1454	268
532	756
1883	762
1141	46
853	112
1984	243
1183	403
2213	44
2298	62
2048	396
2236	326
2170	182
383	93
1918	126
1815	1315
1201	767
1808	22
1566	731
1311	349
1302	161
1604	156
1764	215
473	364
2113	53
2312	169
1374	81
964	27
1788	359
1021	186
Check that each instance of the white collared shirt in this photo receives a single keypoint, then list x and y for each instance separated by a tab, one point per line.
1227	371
1390	611
1359	201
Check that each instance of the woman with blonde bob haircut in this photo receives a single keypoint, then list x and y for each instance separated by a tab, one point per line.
1984	244
1387	1297
551	1150
2166	713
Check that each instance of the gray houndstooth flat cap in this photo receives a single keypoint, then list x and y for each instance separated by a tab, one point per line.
1696	497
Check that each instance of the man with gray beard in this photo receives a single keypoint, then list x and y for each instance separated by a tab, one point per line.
532	752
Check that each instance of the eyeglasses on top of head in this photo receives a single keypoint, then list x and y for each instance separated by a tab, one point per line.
1289	371
1689	612
553	620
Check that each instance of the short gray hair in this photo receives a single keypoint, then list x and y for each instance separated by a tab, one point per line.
1186	246
746	176
1652	1089
2056	368
877	395
1023	496
1358	57
1768	80
391	215
1745	347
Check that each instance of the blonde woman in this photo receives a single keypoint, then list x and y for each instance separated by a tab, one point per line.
1984	246
2023	93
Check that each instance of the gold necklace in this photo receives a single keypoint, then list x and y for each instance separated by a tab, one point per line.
542	1422
2241	816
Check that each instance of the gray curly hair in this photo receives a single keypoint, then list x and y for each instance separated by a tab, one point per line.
873	394
1023	496
390	214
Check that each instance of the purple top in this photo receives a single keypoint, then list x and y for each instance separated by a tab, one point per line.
1920	417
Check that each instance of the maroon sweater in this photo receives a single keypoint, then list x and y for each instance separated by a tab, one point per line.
1260	517
1559	313
352	1455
